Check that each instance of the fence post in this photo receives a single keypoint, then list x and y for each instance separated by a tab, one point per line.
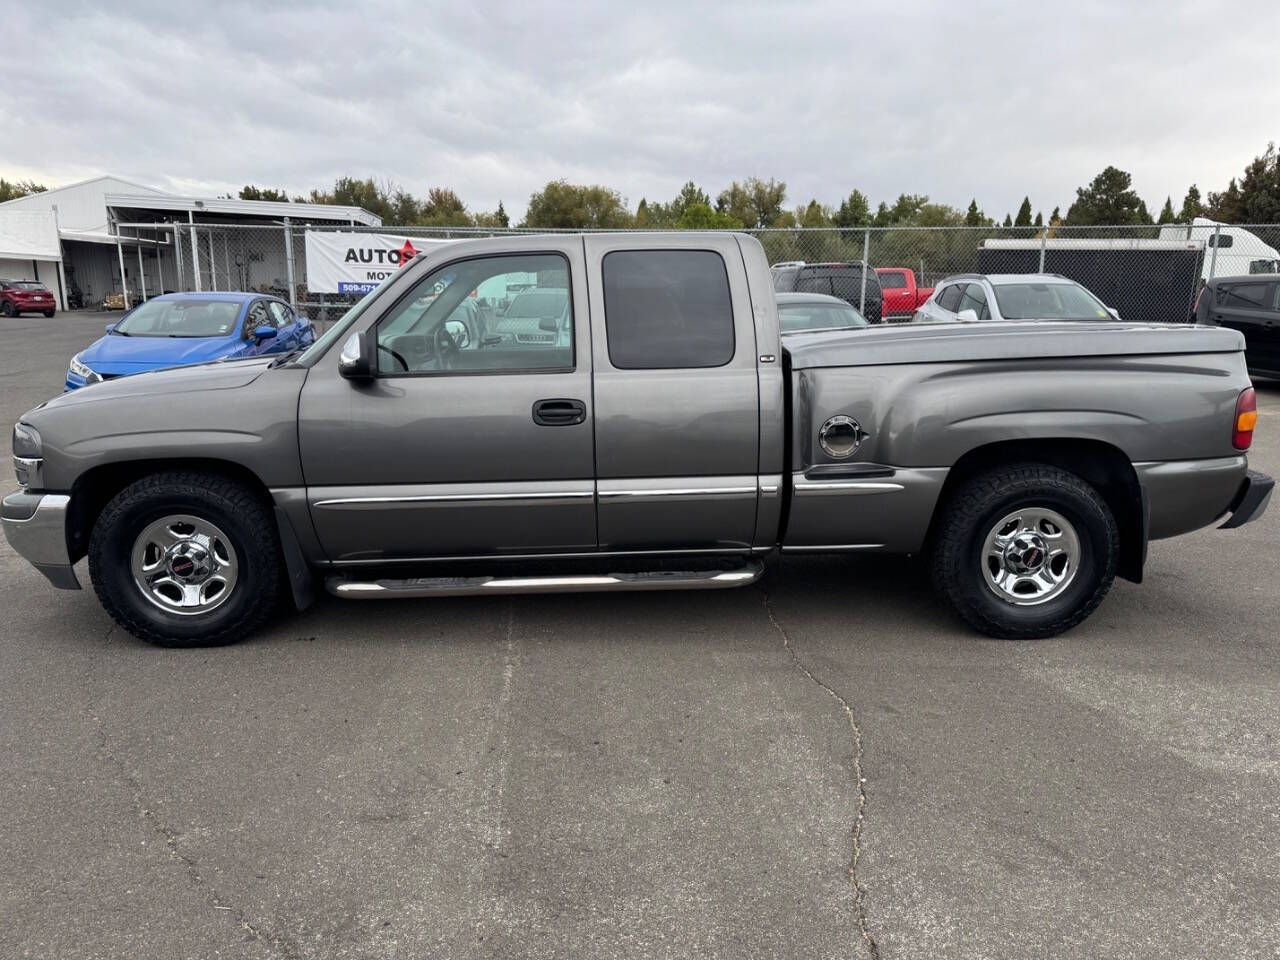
178	263
1044	233
1213	260
866	253
195	251
124	284
288	265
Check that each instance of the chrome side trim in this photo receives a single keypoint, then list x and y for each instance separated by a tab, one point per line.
832	547
736	552
457	498
846	486
679	492
769	484
613	582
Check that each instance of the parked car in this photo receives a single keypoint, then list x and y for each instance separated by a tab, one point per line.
901	294
803	312
675	442
1250	304
1011	296
843	280
25	296
178	329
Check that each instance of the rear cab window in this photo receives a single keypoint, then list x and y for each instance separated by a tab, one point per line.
893	280
667	309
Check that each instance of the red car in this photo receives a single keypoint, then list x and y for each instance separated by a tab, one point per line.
25	296
901	295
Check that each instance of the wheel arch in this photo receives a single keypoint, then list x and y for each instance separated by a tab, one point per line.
1102	465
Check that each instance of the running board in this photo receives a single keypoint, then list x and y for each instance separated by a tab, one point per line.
472	586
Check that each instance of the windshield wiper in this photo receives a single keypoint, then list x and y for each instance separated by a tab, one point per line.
283	359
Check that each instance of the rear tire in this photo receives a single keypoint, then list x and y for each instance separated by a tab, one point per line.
186	559
1025	551
6	308
48	313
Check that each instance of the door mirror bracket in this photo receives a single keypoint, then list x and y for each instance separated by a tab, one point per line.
356	361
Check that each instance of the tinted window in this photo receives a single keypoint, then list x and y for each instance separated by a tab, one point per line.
667	309
1222	240
1245	296
455	319
258	316
949	298
893	280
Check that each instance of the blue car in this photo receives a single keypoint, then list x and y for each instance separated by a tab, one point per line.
179	329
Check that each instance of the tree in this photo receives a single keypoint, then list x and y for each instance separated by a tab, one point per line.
1055	218
754	202
1256	198
1008	220
642	213
1191	205
564	204
12	190
1166	212
443	208
351	192
1109	199
1039	219
973	217
814	214
855	211
1023	219
906	209
250	192
501	216
700	216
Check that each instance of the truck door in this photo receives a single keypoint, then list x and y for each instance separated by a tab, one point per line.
676	394
474	437
1251	307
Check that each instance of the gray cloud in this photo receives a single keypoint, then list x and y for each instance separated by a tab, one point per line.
957	100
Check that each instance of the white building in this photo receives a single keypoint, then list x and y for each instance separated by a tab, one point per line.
71	238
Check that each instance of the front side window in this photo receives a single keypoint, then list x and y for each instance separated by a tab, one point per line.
488	315
975	299
893	280
180	318
1048	301
258	316
667	309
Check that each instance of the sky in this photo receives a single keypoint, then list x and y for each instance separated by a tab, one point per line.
956	100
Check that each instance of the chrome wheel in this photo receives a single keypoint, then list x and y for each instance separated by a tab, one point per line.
1030	556
184	565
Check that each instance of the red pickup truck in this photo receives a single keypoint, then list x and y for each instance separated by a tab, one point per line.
901	294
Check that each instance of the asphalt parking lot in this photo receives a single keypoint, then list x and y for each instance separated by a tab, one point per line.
828	767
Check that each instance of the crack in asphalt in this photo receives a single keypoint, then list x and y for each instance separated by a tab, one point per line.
283	947
859	906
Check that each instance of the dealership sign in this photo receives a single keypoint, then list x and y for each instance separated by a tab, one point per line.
357	262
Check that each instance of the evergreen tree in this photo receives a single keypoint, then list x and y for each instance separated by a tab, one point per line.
1023	219
1039	219
1166	212
1008	220
1191	205
973	217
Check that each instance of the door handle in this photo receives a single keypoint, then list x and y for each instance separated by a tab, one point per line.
559	413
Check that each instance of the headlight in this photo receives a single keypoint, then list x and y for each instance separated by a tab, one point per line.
26	441
80	370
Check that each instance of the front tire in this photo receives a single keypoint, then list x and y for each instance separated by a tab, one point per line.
7	309
186	559
1025	551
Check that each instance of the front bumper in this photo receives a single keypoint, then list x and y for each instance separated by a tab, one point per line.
35	524
1252	500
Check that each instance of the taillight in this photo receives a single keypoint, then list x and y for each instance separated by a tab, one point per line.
1246	419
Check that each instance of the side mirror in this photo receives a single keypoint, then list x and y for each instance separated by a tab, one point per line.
967	316
1114	312
356	360
110	327
265	333
548	324
458	331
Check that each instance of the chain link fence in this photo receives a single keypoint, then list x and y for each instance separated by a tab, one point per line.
1146	273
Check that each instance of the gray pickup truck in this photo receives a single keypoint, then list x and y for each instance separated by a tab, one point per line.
619	412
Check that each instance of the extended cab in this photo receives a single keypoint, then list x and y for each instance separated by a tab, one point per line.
644	429
901	294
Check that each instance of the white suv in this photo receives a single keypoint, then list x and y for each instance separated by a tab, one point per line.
1011	296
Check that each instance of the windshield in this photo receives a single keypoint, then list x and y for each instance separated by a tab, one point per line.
817	316
181	318
1048	301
